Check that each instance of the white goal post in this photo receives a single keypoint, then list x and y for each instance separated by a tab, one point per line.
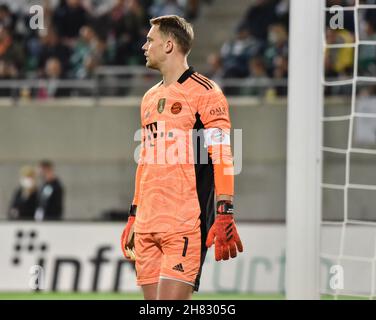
304	140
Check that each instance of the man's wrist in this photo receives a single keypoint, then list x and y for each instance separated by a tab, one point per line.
225	207
226	197
132	210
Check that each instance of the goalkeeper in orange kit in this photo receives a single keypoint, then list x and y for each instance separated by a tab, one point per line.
173	217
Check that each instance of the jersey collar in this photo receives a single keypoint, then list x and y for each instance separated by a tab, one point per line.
187	73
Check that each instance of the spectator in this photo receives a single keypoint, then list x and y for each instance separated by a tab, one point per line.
126	16
51	84
166	7
127	29
120	27
97	12
370	16
68	18
367	53
7	19
259	17
11	61
7	71
10	51
277	49
24	201
339	60
236	53
51	194
87	54
52	47
280	73
192	7
282	12
97	8
257	71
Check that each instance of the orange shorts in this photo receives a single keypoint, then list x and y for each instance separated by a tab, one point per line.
168	255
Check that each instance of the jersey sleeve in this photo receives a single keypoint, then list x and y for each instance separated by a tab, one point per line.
214	114
214	110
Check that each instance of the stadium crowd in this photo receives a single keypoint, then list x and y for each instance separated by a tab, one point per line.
83	34
78	36
259	47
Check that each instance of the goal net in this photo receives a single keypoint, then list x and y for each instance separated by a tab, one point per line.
348	222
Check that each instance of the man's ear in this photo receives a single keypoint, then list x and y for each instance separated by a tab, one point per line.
169	46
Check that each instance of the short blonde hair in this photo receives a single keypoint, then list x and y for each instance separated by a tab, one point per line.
27	171
178	28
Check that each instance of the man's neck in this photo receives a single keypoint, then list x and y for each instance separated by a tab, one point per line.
173	71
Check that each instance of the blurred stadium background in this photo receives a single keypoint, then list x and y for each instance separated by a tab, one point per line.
70	93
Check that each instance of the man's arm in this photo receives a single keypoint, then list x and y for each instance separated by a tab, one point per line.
215	117
127	237
138	175
139	170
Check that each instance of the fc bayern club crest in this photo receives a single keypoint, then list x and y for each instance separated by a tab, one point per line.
161	105
176	108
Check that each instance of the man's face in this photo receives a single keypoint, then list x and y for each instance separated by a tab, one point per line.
73	3
42	173
53	68
154	48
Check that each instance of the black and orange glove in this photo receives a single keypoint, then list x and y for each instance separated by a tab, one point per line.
127	237
223	233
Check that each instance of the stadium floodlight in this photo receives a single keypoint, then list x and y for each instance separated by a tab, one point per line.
304	137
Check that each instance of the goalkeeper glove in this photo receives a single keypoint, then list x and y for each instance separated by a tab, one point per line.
127	237
224	233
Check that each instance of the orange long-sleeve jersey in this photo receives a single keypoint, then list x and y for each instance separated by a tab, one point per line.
185	156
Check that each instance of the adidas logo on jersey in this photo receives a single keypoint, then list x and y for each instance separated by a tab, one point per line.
178	267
